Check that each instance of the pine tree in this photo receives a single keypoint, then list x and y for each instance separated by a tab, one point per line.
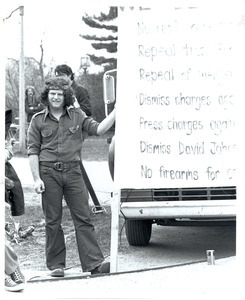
109	43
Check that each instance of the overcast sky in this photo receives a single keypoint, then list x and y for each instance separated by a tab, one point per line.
57	24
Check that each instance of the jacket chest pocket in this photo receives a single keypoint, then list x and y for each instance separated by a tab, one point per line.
74	132
46	134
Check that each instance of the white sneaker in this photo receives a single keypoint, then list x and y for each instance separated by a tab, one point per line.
12	286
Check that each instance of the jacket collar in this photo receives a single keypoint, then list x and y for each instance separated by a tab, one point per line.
47	111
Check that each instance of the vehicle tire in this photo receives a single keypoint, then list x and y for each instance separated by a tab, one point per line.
138	232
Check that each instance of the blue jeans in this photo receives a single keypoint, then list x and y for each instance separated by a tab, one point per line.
69	184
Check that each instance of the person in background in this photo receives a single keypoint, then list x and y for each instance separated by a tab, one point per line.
55	138
81	94
15	195
32	104
14	279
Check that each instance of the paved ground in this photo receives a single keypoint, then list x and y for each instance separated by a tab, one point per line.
198	281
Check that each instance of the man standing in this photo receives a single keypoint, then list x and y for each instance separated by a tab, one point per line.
14	279
55	138
80	92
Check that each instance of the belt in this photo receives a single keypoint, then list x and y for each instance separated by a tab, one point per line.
59	166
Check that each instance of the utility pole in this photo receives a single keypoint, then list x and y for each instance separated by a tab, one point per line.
21	82
21	86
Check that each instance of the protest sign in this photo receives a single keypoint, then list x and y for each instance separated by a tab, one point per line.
177	96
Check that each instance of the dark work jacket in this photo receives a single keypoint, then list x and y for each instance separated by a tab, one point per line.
83	98
59	140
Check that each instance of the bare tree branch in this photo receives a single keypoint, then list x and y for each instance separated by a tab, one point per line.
41	63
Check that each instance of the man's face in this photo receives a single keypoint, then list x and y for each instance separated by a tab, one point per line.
56	99
30	92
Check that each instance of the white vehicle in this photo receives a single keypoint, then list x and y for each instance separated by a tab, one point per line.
142	208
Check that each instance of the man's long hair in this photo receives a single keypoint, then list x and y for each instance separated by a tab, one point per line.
68	96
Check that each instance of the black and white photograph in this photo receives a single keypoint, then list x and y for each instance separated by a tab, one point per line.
123	149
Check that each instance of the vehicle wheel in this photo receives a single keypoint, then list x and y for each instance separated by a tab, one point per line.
138	232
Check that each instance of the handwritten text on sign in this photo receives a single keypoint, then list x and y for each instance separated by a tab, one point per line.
176	99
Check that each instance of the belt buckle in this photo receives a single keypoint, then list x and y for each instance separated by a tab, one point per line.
59	166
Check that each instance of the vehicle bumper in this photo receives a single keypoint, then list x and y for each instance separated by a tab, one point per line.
179	209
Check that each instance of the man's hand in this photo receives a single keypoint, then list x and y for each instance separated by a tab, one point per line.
39	186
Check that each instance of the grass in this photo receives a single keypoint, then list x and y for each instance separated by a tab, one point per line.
31	250
96	148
